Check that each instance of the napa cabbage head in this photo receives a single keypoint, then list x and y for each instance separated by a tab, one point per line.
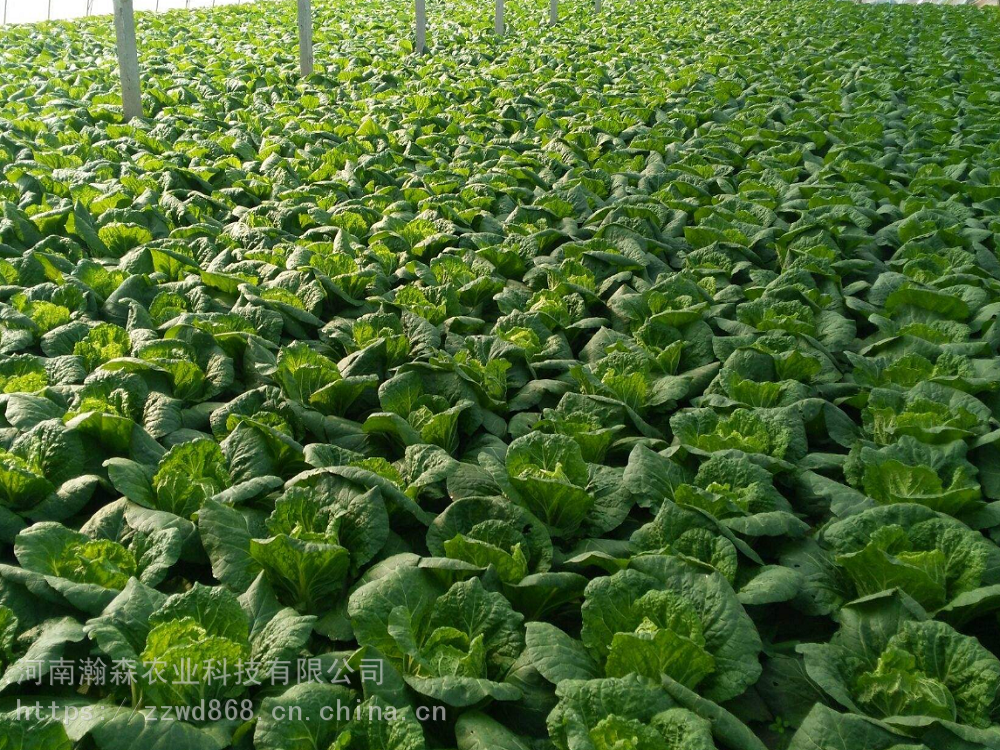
491	531
317	537
185	643
910	471
624	713
647	620
771	433
930	556
884	663
453	644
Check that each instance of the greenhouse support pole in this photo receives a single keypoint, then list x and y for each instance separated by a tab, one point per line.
128	59
421	29
305	38
498	19
553	12
597	6
4	12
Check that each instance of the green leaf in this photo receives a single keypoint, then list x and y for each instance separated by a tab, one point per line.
477	731
557	656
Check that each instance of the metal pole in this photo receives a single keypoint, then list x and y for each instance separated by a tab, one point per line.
128	59
48	11
597	6
305	38
4	12
553	12
498	20
421	30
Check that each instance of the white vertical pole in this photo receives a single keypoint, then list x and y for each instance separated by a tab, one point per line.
48	12
498	19
128	59
421	29
4	12
553	11
305	38
597	6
